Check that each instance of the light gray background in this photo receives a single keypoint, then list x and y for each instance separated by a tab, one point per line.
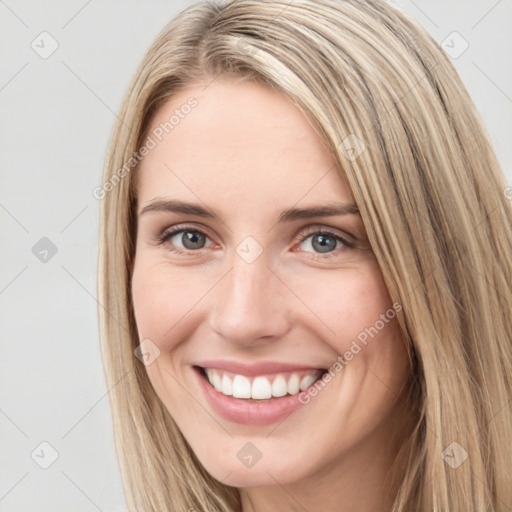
56	117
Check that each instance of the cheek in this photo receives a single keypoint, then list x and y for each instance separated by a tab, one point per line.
349	302
161	299
360	323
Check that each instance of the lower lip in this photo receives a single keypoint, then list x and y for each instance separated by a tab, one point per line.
248	413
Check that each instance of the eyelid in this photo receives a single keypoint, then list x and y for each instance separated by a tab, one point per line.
304	233
174	230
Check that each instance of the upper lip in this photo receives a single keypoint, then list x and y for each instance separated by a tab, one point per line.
254	369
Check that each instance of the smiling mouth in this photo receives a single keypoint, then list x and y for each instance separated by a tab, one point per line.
262	388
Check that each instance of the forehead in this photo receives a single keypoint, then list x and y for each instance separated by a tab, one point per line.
240	140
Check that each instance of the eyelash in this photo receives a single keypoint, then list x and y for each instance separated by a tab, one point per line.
301	237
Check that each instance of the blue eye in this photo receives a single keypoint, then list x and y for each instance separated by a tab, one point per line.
321	243
191	239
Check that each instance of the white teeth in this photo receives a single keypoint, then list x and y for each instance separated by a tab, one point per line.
279	387
227	385
214	378
261	388
305	382
216	381
241	387
293	384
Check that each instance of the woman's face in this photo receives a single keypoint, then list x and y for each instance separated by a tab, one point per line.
240	274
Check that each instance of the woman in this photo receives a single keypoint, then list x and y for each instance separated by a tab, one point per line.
305	269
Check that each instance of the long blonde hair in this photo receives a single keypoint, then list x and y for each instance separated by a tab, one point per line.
432	197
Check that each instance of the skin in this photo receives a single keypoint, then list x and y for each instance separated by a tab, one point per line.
248	153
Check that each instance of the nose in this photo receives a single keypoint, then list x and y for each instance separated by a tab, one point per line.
250	304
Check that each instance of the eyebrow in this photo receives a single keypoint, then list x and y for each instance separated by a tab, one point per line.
286	216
